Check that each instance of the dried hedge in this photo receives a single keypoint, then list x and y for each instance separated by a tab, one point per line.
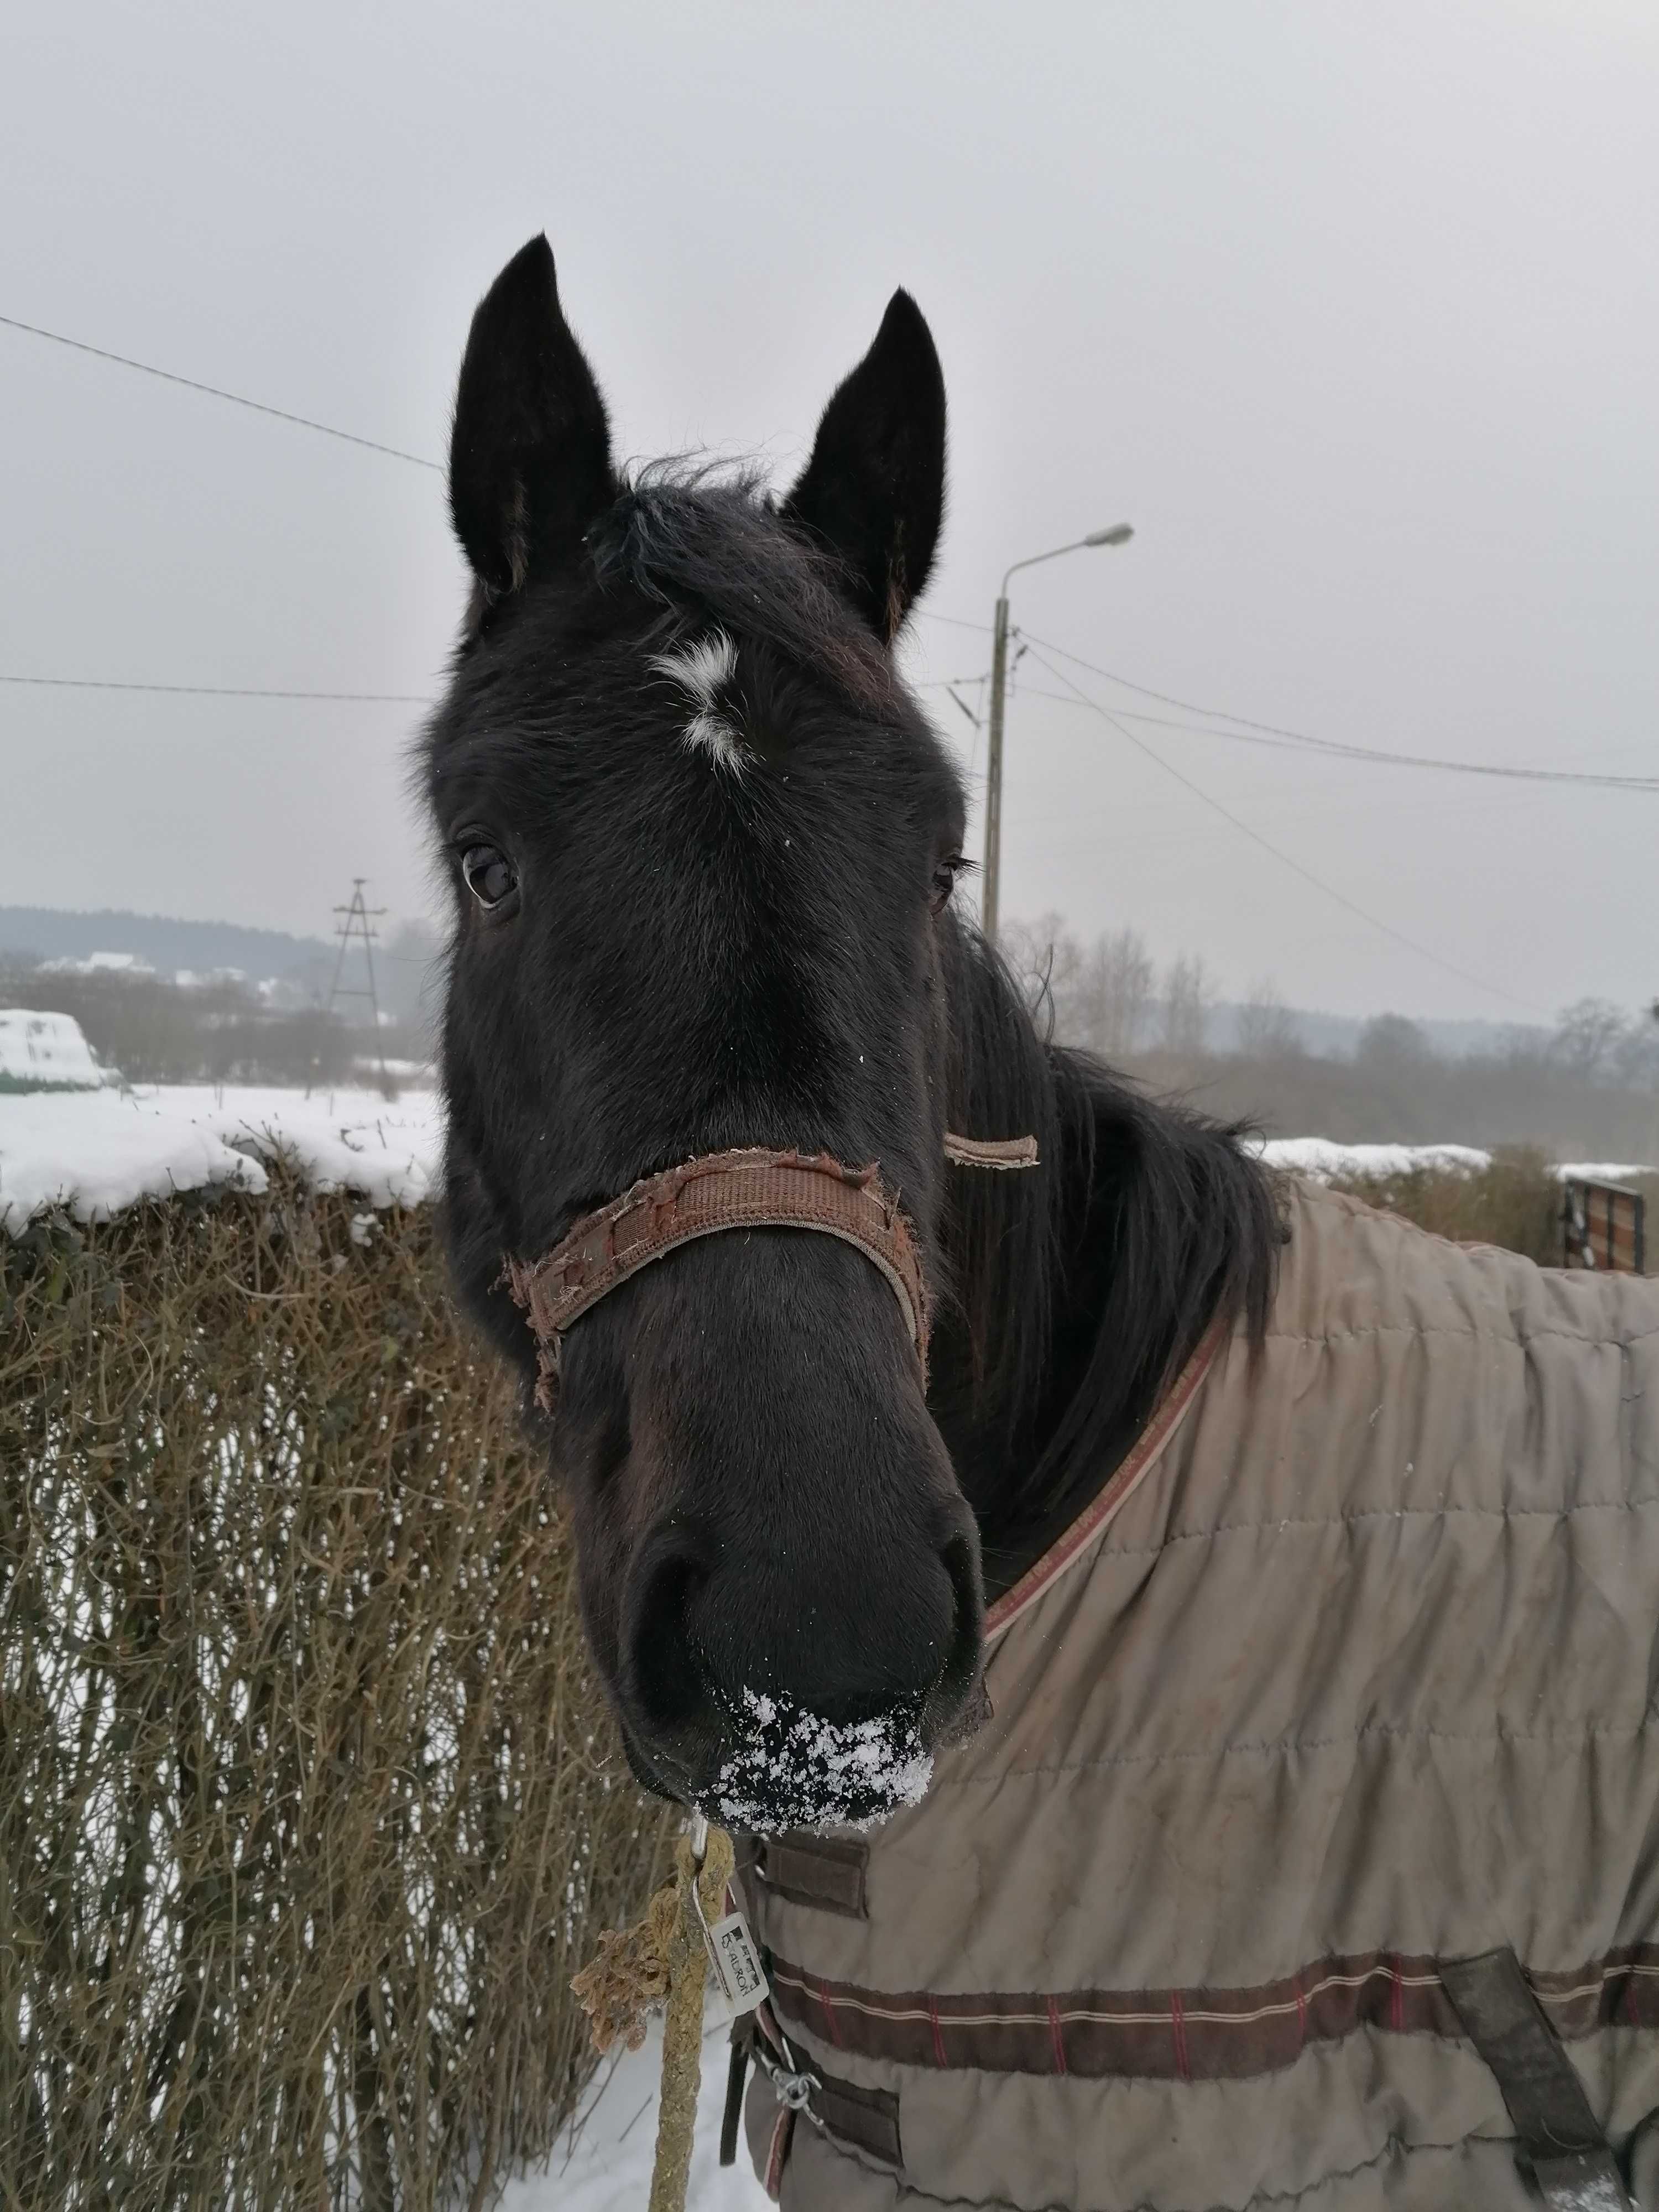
1515	1202
309	1803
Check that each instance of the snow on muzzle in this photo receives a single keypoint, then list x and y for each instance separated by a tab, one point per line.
788	1768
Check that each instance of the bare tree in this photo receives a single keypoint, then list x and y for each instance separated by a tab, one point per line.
1588	1037
1046	961
1636	1056
1099	996
1587	1090
1390	1042
1115	990
1267	1027
1188	993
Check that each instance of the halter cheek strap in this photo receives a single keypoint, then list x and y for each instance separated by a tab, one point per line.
745	1188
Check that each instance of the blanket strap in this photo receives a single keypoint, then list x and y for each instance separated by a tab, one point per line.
1504	2021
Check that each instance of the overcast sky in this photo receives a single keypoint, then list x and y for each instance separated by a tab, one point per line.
1353	310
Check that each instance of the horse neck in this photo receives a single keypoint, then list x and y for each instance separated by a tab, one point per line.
1075	1292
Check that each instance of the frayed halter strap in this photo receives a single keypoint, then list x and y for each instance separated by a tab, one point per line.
746	1189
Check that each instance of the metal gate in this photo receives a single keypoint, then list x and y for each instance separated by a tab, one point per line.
1603	1224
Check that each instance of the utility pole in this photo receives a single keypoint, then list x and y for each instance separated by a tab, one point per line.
990	877
990	884
356	928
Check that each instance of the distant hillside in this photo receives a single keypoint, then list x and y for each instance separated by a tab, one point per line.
57	934
404	972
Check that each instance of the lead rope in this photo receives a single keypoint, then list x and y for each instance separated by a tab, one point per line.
667	1955
700	1876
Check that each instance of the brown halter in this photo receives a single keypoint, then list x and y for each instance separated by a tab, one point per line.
747	1188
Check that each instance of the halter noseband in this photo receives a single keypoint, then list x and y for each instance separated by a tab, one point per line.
746	1189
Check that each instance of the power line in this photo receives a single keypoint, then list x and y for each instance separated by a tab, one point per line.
1275	733
1318	882
217	392
1333	748
1277	740
955	621
1264	732
219	690
1259	735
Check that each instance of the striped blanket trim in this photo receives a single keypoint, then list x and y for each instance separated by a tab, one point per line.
1192	2035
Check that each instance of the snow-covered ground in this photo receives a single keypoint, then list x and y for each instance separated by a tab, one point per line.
100	1151
606	2166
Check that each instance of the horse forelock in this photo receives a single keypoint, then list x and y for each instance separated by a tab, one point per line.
692	566
708	543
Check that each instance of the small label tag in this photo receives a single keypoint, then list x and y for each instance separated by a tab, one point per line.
737	1963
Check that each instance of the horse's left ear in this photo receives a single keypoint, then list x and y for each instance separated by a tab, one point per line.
874	489
530	453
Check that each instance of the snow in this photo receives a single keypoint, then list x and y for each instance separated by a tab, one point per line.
794	1769
37	1047
98	1152
1322	1158
606	2166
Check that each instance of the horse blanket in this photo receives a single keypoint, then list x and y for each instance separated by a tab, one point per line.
1311	1857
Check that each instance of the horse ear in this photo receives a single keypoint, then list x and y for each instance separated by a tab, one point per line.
530	453
874	489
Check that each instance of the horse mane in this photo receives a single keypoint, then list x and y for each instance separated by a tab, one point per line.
1081	1296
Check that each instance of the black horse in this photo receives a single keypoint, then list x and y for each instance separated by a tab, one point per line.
703	843
1308	1852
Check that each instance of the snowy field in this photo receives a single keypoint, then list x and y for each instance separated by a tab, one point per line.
100	1149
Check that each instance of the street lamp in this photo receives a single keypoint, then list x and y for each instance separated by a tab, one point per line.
1118	534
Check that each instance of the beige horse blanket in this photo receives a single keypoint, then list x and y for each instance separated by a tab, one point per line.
1310	1857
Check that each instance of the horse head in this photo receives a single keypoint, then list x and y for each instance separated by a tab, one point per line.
701	843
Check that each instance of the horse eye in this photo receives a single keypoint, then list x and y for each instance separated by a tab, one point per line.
944	882
488	874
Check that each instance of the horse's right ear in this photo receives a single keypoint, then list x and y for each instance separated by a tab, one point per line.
530	453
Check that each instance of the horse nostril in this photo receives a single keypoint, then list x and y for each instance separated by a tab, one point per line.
668	1688
877	1634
